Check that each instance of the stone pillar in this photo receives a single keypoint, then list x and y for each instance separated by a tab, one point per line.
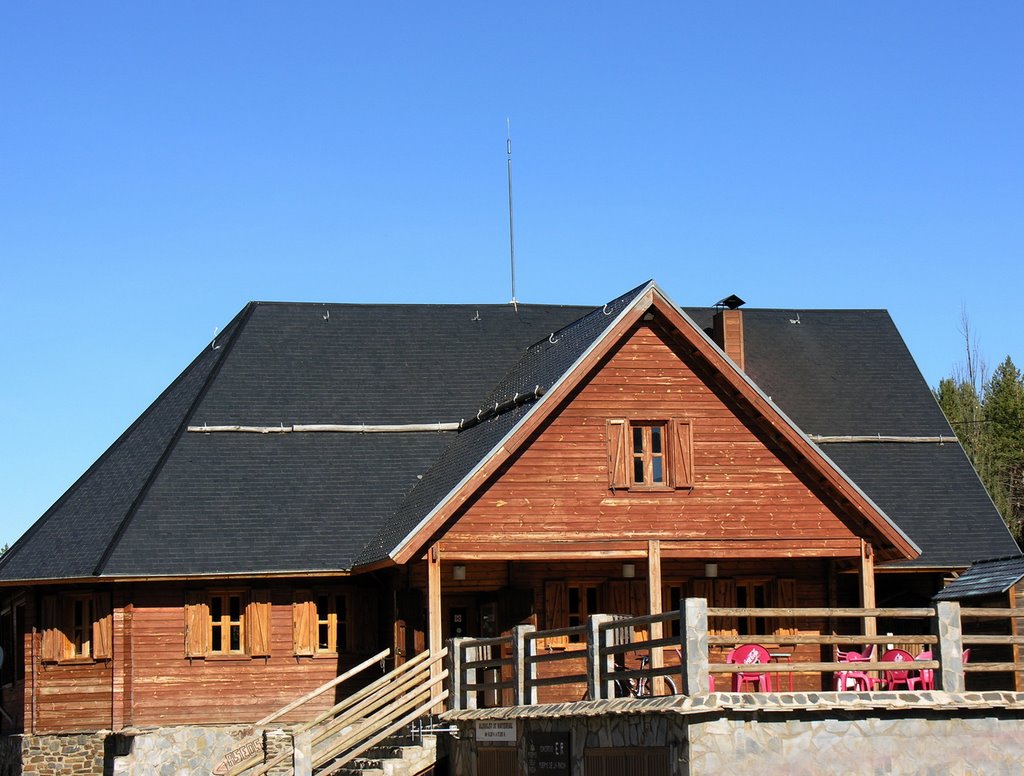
951	647
302	754
695	646
524	694
596	689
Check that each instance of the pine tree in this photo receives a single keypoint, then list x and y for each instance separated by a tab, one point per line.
1003	408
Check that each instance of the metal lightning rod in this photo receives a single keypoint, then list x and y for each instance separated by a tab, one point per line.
511	233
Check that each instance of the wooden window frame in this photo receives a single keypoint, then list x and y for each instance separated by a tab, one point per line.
676	454
224	624
646	458
334	621
322	620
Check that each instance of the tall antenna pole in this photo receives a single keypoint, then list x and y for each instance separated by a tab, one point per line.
511	233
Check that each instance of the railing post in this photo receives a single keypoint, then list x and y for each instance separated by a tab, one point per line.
596	689
523	692
695	646
951	646
460	676
302	753
456	679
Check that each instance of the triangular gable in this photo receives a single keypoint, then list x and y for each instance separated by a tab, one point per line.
881	530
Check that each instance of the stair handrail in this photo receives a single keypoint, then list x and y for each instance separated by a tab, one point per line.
380	656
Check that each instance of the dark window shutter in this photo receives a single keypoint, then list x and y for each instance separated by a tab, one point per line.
682	454
257	624
556	604
363	626
725	597
785	598
102	627
618	454
303	623
197	624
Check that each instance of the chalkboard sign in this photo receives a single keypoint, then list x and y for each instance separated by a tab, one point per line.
547	754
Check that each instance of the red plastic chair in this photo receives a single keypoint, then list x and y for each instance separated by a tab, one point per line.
854	680
895	677
750	654
925	678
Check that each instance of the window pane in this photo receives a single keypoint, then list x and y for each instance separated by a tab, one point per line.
215	640
323	634
656	439
574	600
638	440
342	636
235	605
657	474
638	470
236	638
591	600
216	608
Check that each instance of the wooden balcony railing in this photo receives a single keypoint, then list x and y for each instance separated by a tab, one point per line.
511	669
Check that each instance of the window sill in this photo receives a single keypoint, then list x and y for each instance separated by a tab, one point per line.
76	661
227	658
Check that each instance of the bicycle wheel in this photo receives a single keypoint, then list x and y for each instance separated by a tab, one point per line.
670	686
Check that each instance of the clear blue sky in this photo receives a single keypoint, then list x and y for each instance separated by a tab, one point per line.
163	163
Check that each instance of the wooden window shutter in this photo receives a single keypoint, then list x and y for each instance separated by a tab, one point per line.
556	604
616	597
682	454
304	623
197	624
102	627
785	598
55	644
618	454
725	597
257	624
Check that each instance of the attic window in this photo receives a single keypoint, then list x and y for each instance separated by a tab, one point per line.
650	454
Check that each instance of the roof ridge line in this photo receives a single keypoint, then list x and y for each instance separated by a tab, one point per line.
242	319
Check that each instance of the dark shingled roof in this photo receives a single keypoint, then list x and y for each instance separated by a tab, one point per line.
165	501
986	577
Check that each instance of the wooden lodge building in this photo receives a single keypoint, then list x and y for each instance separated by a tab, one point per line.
324	481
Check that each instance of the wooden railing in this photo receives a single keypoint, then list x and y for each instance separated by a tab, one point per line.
509	669
337	735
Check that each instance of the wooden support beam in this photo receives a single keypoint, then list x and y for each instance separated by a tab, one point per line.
654	597
867	585
434	609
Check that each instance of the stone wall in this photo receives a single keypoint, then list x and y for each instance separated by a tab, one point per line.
821	733
76	754
172	751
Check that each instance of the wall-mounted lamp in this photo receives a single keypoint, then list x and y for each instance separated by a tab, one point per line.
458	572
629	570
711	570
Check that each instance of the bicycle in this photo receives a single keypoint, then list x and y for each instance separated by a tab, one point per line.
642	687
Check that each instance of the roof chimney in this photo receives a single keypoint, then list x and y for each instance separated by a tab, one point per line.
727	328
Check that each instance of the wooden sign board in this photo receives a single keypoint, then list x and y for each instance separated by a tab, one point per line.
496	730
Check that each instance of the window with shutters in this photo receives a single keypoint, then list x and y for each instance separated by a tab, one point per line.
744	593
650	454
581	602
76	627
227	623
321	622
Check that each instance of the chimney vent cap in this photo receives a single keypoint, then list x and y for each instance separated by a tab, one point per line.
732	302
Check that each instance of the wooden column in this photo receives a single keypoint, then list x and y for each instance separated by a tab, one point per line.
654	597
434	609
867	585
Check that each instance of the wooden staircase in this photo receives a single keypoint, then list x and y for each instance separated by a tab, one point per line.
334	740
